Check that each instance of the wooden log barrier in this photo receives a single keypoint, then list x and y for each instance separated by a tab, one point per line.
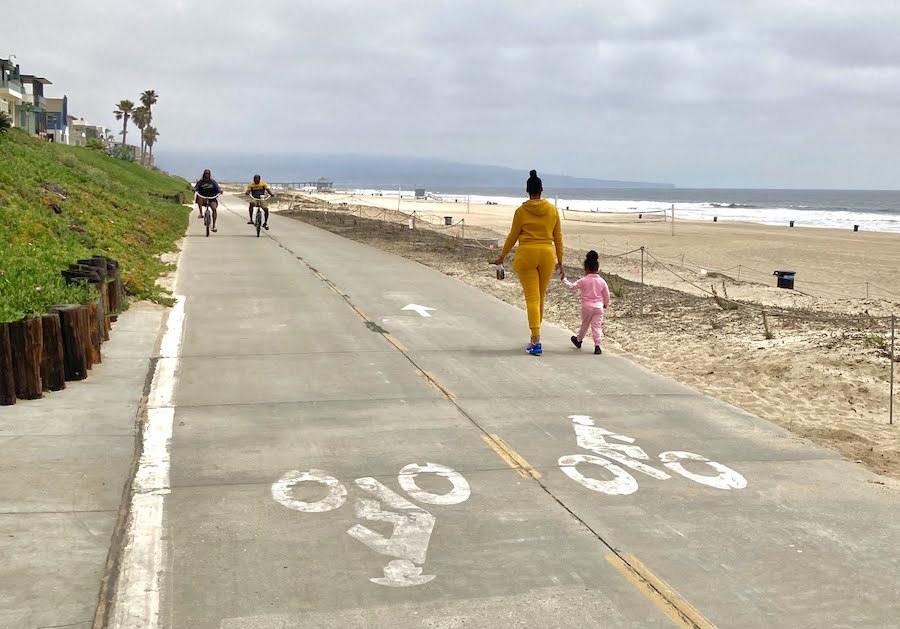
98	264
77	275
53	372
95	334
74	357
103	287
25	338
85	271
115	295
97	320
120	286
84	323
7	380
102	319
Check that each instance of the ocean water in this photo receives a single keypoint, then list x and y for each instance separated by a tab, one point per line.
872	210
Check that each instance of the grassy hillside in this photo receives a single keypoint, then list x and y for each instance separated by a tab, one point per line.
111	207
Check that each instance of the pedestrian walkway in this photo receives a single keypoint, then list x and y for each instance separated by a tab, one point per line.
64	463
340	457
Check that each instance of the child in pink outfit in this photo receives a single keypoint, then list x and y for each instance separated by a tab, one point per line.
594	301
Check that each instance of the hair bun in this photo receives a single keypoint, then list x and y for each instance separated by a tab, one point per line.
593	255
533	173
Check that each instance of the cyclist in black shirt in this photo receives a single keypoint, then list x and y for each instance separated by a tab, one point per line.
206	186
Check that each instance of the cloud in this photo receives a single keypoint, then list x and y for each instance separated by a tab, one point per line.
702	93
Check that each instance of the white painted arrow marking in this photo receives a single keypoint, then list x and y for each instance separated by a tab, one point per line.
422	310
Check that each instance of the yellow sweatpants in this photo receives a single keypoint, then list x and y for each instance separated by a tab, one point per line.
534	266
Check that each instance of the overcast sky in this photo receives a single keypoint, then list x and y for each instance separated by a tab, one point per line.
755	93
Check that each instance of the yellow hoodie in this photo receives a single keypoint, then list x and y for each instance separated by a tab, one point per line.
536	223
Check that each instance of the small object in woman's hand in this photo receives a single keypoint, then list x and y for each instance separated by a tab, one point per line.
501	272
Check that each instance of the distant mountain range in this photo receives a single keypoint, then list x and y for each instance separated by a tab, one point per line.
370	171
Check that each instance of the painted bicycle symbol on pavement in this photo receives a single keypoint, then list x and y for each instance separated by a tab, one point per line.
614	457
412	525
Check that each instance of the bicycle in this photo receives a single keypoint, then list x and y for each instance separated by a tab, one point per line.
207	215
257	219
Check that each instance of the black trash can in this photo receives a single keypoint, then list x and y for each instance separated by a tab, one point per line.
448	220
785	279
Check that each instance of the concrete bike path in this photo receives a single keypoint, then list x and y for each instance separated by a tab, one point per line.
779	552
338	461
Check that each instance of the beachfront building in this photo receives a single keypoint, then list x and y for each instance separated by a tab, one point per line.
323	185
31	113
81	131
58	120
76	136
12	92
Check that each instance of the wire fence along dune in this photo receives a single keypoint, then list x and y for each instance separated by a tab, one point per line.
884	327
474	236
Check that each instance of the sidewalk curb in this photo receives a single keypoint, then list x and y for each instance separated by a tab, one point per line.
112	570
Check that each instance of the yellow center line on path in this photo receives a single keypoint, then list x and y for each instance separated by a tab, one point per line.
658	592
513	458
393	341
440	385
362	314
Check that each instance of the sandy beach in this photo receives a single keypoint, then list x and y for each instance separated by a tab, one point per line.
828	262
818	372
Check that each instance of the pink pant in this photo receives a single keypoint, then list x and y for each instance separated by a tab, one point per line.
591	315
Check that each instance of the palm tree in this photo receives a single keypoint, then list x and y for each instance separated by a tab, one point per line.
123	111
141	119
148	100
150	136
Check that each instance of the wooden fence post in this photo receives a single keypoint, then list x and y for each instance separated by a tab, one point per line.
114	272
99	263
74	358
94	334
84	324
7	380
25	340
112	289
53	373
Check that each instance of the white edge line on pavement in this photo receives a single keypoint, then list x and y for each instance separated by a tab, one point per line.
137	598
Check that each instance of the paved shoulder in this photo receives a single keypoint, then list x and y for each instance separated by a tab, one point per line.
64	462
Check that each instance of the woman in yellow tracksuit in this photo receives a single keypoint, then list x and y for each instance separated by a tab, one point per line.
536	227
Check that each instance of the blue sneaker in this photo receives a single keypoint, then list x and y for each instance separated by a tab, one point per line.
536	350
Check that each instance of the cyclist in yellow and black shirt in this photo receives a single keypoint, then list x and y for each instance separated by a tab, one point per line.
257	190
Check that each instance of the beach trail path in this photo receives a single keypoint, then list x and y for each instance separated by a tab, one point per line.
338	437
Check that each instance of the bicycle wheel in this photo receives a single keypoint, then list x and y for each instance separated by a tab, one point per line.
207	220
258	221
